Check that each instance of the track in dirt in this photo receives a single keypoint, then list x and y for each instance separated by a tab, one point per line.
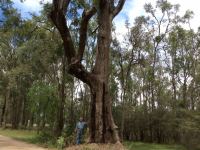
7	143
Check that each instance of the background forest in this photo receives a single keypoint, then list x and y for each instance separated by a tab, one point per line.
154	75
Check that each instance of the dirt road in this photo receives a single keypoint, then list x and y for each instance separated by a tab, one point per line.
7	143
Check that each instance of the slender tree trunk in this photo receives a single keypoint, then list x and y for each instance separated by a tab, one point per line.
14	110
174	102
22	108
3	110
72	116
6	116
184	92
122	121
192	98
60	113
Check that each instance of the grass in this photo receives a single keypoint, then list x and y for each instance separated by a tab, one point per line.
24	135
34	138
28	136
150	146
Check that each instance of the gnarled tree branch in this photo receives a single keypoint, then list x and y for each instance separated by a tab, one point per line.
83	31
58	17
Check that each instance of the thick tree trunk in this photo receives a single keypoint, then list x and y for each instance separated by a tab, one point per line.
102	127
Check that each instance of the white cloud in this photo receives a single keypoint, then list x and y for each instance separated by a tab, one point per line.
27	6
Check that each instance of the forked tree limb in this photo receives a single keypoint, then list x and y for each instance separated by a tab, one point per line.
118	8
57	15
86	16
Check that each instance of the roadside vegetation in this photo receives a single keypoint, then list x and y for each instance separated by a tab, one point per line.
33	137
30	136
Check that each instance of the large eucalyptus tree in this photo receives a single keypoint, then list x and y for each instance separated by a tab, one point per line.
102	126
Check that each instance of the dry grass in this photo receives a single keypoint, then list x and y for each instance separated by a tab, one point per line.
93	146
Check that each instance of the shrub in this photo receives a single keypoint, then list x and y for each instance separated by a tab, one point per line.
60	143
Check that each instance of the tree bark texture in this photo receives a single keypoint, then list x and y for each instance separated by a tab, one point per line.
102	126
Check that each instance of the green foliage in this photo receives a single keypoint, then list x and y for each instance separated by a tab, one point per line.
42	101
60	143
30	136
25	135
190	128
188	14
164	5
158	39
149	8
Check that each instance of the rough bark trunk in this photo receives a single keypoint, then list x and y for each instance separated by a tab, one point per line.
102	125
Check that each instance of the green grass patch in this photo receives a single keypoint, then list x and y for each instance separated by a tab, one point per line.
24	135
28	136
150	146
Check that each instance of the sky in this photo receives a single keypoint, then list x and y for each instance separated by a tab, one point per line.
135	8
131	9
